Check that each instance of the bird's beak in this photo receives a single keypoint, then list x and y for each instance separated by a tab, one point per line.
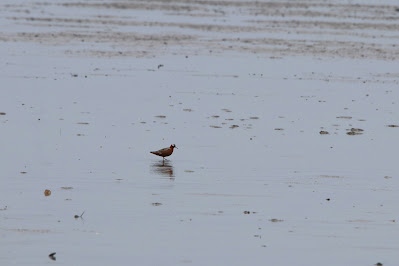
176	147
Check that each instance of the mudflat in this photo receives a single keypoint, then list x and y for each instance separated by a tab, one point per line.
285	115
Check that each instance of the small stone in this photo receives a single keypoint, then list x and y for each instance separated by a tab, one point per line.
353	133
275	220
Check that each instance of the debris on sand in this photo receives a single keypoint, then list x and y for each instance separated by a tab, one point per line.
156	204
392	125
276	220
324	132
52	256
47	192
355	131
79	216
331	176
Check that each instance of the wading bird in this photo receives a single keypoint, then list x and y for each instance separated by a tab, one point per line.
164	152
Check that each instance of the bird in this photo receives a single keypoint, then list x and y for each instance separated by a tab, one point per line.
164	152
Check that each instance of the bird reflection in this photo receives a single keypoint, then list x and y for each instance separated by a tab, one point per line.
164	168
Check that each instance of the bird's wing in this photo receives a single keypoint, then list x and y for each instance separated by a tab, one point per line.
160	152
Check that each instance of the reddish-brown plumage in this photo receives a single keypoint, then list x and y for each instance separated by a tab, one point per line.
164	152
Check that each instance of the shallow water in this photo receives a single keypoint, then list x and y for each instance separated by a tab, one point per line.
253	180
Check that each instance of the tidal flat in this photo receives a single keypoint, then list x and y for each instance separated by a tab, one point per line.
285	115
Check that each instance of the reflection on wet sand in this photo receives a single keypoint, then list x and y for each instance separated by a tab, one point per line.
164	168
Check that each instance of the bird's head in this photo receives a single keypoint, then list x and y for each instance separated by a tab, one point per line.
173	146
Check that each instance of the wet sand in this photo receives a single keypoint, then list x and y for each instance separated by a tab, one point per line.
285	115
